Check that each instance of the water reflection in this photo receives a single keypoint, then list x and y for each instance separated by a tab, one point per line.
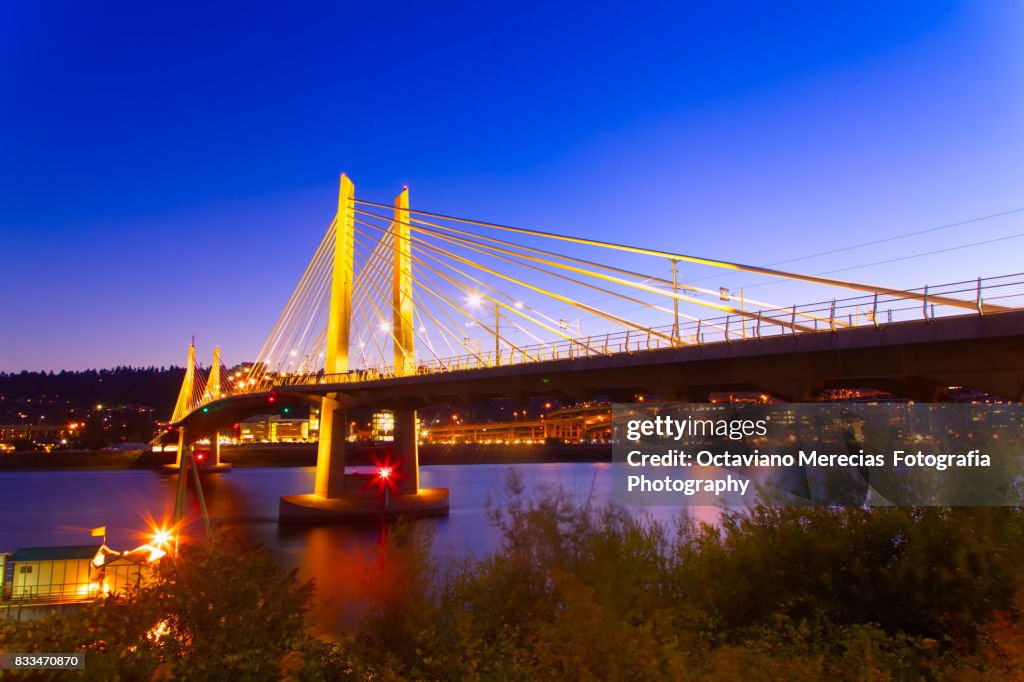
59	508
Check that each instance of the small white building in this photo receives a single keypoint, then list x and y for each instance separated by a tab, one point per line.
58	573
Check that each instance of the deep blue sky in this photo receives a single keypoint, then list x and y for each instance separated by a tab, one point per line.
164	170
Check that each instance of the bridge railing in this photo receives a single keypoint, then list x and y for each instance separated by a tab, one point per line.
823	316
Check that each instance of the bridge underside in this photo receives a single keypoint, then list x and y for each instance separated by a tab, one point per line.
914	360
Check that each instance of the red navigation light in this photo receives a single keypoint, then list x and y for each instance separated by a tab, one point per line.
388	474
272	398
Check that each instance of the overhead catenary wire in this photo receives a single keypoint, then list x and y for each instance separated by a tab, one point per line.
901	258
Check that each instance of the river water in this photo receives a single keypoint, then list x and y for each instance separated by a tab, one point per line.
48	508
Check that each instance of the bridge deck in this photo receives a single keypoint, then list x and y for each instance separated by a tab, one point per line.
970	350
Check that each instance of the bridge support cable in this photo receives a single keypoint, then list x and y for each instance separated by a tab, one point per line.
514	255
467	290
183	405
368	316
479	285
482	290
562	298
377	283
373	280
617	295
518	249
295	342
673	286
446	302
276	347
268	359
611	293
310	343
216	388
435	291
193	386
728	265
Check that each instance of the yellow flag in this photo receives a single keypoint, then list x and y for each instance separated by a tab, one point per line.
99	532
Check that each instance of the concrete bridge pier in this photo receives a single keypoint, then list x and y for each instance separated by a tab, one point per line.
213	463
330	454
407	449
183	442
340	496
186	445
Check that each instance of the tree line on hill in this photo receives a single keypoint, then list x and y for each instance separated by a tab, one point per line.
110	405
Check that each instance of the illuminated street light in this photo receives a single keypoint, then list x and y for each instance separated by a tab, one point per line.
474	300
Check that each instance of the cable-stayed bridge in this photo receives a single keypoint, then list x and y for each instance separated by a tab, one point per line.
403	308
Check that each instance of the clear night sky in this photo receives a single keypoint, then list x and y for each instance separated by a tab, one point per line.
164	171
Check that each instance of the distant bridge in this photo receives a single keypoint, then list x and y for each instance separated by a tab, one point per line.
411	308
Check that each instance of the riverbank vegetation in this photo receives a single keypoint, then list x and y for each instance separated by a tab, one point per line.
576	592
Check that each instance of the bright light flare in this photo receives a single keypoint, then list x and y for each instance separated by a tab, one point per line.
388	474
474	300
162	537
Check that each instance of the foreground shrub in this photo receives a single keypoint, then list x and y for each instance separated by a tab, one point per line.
222	610
769	593
583	593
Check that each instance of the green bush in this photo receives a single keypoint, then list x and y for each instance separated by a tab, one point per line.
768	593
221	610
